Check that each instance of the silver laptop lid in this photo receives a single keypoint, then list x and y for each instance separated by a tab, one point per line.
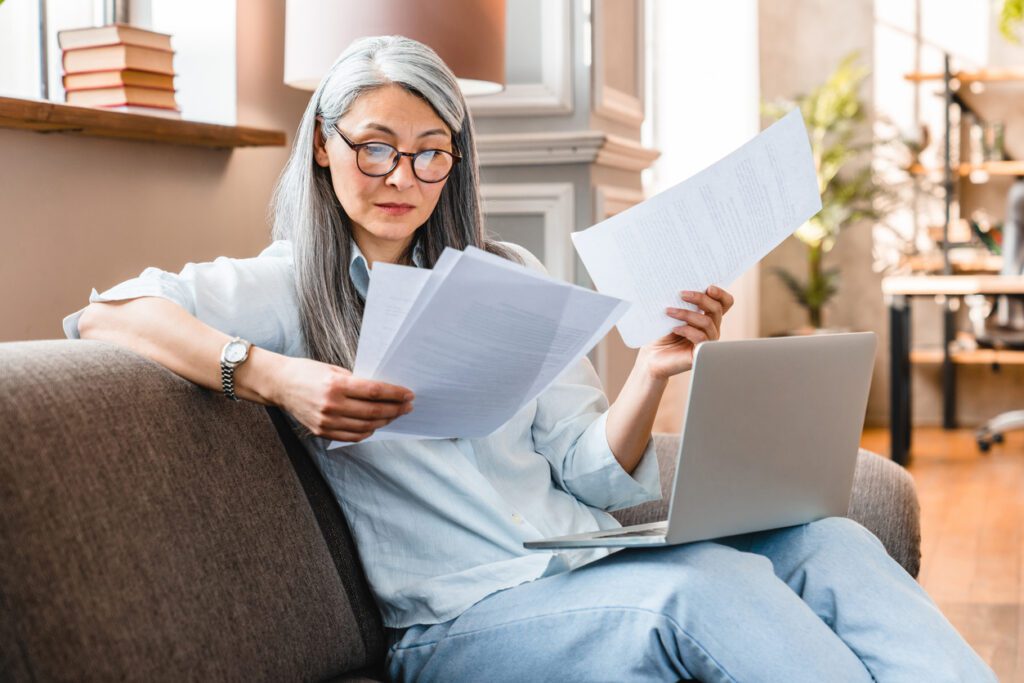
771	433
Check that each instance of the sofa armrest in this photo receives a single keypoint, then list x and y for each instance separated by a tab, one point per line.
883	500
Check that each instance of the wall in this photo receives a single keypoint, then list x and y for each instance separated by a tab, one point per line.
699	115
80	212
570	119
801	43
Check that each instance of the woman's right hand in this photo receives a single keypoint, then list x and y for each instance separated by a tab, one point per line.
334	404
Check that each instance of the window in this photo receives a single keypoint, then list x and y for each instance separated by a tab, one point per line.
203	40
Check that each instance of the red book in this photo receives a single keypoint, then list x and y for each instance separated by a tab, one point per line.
130	96
117	79
118	57
113	34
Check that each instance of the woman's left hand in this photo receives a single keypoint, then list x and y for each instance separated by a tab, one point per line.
673	353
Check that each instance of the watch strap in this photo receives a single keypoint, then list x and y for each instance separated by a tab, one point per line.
227	367
227	379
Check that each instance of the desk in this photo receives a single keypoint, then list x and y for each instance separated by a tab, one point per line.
898	291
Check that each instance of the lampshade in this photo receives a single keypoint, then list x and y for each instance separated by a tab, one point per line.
469	35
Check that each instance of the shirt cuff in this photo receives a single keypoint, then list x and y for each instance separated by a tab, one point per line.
152	282
606	484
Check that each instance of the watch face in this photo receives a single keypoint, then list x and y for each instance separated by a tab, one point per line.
235	352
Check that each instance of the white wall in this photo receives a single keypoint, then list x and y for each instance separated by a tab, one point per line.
703	99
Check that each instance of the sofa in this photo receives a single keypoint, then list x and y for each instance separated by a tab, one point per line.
152	530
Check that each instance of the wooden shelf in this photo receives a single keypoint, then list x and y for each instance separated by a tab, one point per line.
976	76
993	168
978	262
53	117
952	285
978	357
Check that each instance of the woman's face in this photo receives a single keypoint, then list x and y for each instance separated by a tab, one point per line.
385	211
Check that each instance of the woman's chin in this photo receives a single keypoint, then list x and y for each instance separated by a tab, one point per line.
393	232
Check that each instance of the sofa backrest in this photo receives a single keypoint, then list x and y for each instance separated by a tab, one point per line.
151	529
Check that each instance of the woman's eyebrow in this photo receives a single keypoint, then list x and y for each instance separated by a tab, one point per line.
384	129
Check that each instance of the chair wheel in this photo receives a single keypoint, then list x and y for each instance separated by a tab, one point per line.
984	446
997	438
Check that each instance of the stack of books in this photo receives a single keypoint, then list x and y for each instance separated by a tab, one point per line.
120	68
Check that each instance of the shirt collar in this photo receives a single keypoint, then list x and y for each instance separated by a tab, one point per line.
360	272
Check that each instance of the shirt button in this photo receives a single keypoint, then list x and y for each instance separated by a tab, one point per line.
517	518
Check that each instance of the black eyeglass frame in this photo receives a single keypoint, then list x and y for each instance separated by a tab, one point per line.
356	146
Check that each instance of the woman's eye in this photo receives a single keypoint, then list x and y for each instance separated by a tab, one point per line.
378	152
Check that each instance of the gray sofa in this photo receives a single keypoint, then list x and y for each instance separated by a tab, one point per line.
151	530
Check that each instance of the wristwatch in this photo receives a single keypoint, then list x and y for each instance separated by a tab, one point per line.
234	353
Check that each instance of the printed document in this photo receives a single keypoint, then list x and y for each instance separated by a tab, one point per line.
705	231
476	339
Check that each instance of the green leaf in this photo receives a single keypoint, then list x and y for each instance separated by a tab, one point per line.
1010	17
795	287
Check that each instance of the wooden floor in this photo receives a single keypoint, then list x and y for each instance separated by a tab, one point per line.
972	546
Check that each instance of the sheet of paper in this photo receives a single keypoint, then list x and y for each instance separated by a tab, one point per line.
448	259
707	230
392	293
483	342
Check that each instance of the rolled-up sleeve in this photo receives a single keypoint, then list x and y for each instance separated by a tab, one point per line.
569	430
253	298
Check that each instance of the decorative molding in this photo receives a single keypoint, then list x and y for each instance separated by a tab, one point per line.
626	154
569	147
612	199
611	102
553	201
528	149
553	94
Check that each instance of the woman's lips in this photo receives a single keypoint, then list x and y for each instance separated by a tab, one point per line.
395	209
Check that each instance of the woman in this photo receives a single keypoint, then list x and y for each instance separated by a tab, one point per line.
384	169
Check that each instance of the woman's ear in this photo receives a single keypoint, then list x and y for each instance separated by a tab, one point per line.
320	146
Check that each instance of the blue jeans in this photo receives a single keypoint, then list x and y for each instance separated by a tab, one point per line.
817	602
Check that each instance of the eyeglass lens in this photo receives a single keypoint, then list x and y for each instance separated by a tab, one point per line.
378	159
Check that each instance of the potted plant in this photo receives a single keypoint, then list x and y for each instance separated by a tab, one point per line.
834	114
1011	15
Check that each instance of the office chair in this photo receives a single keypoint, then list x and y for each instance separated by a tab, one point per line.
1006	331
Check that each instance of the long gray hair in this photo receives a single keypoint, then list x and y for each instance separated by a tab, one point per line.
306	209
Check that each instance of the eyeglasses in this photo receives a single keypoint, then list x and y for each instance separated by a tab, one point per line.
377	159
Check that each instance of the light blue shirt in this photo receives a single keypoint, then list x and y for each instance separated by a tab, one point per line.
439	524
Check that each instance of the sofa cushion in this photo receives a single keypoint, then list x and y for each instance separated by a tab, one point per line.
151	529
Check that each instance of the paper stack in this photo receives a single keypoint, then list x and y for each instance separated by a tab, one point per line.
476	339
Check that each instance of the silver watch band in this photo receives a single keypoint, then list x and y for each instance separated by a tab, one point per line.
234	353
227	380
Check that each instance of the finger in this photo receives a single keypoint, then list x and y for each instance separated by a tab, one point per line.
701	320
349	437
369	410
704	302
695	335
372	390
350	424
725	297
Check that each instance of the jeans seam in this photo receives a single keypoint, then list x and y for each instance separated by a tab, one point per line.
396	649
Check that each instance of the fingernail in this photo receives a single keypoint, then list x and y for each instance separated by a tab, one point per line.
712	290
689	295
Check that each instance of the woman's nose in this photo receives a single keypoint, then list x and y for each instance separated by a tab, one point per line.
402	177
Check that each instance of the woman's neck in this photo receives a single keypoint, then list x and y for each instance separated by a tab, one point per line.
387	251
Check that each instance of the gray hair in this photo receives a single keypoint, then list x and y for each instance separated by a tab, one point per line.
307	211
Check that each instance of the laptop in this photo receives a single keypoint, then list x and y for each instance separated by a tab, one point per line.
770	440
